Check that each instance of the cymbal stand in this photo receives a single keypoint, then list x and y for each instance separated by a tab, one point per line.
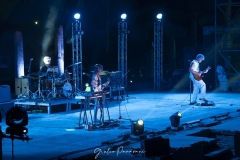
40	94
53	92
76	90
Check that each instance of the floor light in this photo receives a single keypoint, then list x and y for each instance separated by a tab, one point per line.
16	120
175	119
137	127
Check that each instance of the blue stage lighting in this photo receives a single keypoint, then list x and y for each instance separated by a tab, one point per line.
159	16
175	119
137	127
123	16
77	16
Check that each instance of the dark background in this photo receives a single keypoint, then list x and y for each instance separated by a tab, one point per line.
183	23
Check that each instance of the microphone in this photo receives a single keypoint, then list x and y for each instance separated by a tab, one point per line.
85	74
31	59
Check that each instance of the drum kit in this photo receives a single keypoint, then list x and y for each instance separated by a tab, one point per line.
51	85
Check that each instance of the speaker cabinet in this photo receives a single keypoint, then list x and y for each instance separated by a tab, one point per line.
156	147
21	86
117	91
5	93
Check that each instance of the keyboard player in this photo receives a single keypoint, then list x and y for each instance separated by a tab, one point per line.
97	86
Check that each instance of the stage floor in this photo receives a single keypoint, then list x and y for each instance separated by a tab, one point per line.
56	135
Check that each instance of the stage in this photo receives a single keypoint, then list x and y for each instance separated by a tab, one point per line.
60	134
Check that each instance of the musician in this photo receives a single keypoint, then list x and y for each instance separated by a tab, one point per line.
197	84
47	64
97	87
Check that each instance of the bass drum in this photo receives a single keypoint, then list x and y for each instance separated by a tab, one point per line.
67	89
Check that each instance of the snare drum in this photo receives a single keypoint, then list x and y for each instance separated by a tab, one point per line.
67	89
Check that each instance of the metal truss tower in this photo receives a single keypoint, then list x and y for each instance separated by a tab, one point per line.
227	32
77	55
158	57
122	51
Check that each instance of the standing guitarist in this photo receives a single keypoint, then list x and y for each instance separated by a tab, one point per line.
97	86
195	76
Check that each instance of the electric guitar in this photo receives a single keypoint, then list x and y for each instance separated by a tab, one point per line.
101	86
197	77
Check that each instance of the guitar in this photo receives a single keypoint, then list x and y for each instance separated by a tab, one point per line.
101	86
197	77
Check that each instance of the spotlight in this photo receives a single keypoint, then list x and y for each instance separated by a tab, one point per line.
159	16
77	16
137	127
123	16
17	119
175	119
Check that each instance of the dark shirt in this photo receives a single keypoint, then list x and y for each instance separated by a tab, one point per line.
43	69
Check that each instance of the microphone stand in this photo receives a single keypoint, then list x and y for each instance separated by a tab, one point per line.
126	82
119	86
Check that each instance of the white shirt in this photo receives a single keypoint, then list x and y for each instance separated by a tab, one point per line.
195	68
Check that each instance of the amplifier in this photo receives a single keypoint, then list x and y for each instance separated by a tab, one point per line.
116	91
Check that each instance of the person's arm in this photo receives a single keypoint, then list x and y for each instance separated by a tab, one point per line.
206	70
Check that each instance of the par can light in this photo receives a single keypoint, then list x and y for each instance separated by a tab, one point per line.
137	127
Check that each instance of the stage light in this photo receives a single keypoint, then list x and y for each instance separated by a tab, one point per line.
175	119
123	16
17	119
137	127
159	16
77	16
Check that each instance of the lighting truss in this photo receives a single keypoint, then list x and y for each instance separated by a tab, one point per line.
77	55
122	51
158	57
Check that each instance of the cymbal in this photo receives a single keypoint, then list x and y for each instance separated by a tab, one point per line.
28	76
38	74
104	73
67	72
112	73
